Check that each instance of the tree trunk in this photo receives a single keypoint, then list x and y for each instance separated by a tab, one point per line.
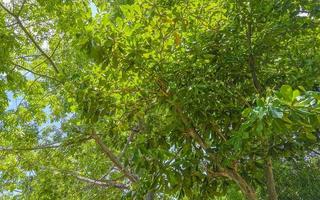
246	189
271	186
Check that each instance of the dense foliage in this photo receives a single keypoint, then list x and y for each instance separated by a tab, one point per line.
157	99
298	179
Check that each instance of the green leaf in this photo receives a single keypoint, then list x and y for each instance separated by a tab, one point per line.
295	94
246	112
311	136
302	88
286	92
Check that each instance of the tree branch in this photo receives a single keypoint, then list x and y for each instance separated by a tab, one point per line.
109	183
113	158
45	146
246	188
251	59
30	37
36	73
191	130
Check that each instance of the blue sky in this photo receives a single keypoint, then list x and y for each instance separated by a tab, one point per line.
94	9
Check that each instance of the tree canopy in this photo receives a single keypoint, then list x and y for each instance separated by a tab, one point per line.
158	99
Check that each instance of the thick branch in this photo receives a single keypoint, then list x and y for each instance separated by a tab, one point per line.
149	196
246	189
191	130
271	188
120	155
272	194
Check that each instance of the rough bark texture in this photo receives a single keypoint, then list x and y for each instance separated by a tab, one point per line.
271	187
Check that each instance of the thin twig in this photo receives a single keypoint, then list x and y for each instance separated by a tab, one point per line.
36	73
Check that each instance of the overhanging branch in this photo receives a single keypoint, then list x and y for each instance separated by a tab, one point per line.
24	29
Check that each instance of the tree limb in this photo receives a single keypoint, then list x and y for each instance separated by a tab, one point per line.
45	146
113	158
251	59
190	130
30	37
246	189
101	183
36	73
108	183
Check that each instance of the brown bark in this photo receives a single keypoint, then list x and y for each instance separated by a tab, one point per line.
247	190
271	186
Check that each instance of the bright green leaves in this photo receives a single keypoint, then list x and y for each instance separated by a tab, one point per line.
311	136
155	68
246	112
288	94
288	114
295	94
131	12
